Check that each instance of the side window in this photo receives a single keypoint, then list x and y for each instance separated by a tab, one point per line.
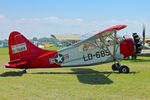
99	44
90	45
109	40
106	39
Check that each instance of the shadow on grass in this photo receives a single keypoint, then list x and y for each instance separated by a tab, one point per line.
92	77
12	74
83	71
88	76
95	77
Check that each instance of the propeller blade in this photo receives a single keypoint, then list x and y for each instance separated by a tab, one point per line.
143	35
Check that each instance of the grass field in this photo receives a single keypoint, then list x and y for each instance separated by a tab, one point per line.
84	83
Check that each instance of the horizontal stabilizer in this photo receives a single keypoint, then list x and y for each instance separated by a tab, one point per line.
16	64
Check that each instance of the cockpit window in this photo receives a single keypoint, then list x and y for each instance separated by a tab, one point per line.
90	45
102	42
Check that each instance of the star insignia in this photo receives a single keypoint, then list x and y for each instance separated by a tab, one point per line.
59	58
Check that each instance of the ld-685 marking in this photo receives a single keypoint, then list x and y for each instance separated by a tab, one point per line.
98	54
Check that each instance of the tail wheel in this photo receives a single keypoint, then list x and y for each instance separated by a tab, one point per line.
24	71
124	69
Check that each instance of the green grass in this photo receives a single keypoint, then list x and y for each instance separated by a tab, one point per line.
83	83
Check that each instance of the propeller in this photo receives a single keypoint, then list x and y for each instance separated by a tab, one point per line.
143	35
139	45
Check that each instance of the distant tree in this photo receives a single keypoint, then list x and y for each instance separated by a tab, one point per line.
4	42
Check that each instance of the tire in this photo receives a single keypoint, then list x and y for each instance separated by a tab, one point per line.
124	69
114	67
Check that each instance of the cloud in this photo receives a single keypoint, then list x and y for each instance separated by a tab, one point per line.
37	26
49	20
43	27
1	16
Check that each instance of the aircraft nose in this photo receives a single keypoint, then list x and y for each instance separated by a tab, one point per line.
127	47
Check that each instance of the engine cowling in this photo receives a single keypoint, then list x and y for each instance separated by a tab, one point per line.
127	47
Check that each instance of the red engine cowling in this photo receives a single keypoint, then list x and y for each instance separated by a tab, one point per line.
127	47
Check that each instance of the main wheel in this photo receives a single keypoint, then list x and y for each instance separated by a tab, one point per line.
114	67
124	69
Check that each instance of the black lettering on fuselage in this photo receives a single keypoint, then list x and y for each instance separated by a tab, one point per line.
98	54
85	58
90	56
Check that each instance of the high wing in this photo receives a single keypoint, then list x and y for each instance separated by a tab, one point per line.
104	33
107	32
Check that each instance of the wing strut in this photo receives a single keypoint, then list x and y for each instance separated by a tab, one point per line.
115	40
116	61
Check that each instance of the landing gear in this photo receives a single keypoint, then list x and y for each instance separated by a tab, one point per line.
120	68
24	71
124	69
115	66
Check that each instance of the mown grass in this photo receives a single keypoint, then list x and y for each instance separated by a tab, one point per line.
84	83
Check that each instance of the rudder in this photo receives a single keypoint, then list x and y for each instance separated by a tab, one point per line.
21	48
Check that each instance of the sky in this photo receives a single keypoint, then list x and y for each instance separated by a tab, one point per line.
40	18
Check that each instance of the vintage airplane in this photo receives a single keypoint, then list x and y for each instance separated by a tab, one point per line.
100	48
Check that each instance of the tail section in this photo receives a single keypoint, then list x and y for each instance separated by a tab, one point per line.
21	48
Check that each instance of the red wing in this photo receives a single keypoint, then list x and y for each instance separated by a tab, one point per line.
114	28
108	31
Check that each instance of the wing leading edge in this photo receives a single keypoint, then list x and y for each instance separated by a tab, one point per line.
108	30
